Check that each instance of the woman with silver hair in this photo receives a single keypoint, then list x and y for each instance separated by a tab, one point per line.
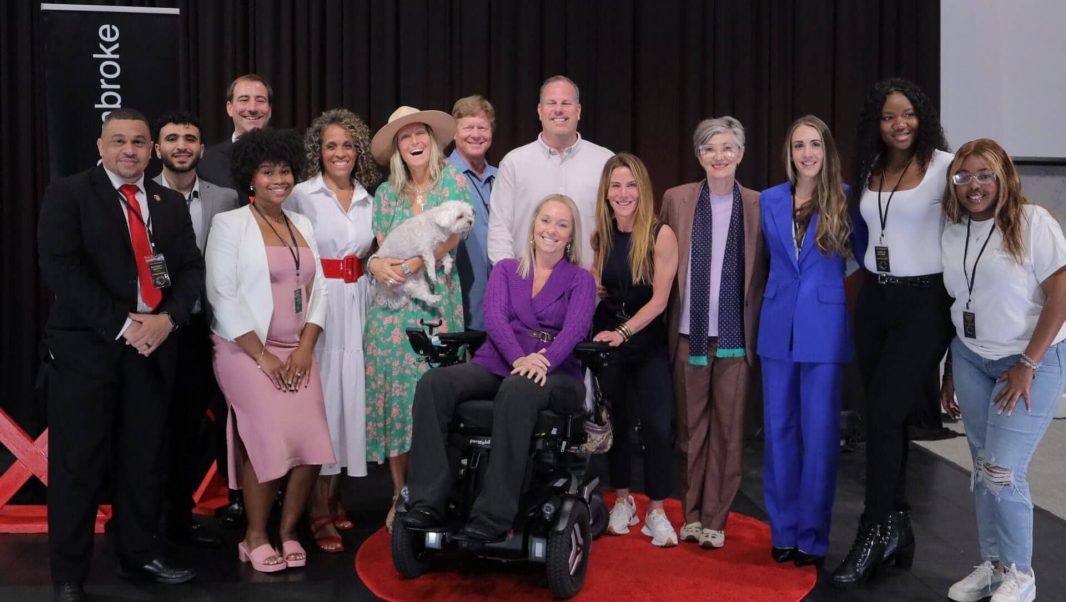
419	179
334	196
711	324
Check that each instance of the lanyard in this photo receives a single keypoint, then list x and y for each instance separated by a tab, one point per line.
136	211
972	276
883	213
294	250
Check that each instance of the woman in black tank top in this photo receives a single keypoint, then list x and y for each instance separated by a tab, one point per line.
635	265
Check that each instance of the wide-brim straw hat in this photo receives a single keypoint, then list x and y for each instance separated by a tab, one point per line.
383	145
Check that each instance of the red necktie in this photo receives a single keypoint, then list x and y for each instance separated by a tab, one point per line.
141	248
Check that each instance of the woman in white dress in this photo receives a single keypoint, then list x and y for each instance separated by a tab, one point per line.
335	196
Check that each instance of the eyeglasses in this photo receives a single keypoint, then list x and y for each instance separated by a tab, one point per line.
725	151
982	177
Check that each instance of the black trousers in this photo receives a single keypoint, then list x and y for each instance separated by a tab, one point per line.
192	437
901	333
518	400
638	384
107	407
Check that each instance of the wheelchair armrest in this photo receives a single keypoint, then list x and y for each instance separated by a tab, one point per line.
593	354
473	338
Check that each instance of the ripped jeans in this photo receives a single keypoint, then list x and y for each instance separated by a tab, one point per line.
1002	446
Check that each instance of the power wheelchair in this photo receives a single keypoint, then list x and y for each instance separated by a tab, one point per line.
560	510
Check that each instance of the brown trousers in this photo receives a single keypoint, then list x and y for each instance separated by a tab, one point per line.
710	428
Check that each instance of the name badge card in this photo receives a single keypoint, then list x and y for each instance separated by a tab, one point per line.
157	269
881	259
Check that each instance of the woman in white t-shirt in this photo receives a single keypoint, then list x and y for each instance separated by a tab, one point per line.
1003	261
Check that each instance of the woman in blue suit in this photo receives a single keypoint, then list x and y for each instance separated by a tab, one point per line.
804	341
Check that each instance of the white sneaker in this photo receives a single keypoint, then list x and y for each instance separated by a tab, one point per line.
691	532
1016	587
710	538
623	516
658	528
978	585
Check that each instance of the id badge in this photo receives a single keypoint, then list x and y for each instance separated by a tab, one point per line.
157	269
881	259
969	325
298	300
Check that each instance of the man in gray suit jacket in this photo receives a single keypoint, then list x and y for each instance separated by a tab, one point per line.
179	148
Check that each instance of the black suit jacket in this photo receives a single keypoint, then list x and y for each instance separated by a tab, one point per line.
87	261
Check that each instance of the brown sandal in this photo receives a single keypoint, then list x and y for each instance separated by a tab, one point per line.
331	544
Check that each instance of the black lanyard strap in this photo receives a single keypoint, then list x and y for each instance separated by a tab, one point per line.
294	250
972	276
883	213
136	211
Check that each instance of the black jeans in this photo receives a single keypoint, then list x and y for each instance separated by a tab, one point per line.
518	400
638	384
901	333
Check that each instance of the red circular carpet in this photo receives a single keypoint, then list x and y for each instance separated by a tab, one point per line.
621	567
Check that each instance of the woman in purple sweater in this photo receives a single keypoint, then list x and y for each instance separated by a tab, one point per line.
537	309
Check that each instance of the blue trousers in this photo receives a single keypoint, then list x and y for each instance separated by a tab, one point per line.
802	429
1002	446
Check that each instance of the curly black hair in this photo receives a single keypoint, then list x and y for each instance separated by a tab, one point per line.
869	145
366	170
259	145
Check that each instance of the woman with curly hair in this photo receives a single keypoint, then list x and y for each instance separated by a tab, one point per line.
420	178
635	265
269	300
335	198
1005	264
902	326
804	341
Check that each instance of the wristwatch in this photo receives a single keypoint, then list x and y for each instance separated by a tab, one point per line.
403	268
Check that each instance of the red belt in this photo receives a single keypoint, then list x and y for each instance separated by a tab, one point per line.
348	268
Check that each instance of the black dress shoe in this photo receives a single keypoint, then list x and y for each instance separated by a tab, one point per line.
193	534
158	571
782	554
232	516
68	591
419	518
804	559
899	540
477	533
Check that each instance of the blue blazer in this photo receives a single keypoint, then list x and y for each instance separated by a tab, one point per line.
804	311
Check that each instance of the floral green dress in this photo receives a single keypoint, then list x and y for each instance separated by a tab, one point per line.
392	368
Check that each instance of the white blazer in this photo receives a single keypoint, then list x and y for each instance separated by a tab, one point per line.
238	277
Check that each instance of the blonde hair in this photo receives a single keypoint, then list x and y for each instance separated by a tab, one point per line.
400	177
1009	196
833	232
642	241
470	106
573	248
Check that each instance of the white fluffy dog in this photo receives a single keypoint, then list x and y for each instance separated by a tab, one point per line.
419	236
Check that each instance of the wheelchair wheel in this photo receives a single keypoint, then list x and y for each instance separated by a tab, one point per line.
409	554
568	554
600	515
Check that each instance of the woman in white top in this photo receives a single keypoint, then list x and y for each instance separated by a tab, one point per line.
902	327
1004	263
334	197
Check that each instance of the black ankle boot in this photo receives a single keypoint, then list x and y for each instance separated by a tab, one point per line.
863	558
899	540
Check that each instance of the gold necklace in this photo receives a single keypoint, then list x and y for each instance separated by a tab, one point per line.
420	195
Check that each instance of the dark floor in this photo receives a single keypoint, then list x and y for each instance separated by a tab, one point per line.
939	492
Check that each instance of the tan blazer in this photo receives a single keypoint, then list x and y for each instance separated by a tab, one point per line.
678	211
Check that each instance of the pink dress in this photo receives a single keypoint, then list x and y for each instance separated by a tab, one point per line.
279	429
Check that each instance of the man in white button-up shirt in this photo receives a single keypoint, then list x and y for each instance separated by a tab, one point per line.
558	161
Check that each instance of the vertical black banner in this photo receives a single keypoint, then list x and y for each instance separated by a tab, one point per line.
98	59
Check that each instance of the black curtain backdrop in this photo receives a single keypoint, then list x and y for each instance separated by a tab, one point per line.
648	72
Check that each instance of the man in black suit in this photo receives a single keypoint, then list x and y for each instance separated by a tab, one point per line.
248	103
119	253
191	436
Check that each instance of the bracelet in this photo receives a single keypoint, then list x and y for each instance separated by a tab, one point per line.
624	331
1028	362
259	362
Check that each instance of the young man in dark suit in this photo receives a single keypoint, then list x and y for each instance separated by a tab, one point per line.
191	435
248	104
119	253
